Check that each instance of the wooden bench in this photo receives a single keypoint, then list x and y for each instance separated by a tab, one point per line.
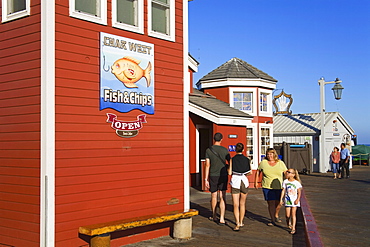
100	233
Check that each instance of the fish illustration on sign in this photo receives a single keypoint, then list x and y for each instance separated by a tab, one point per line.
128	71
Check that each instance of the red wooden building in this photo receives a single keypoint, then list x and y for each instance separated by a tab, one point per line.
236	100
94	116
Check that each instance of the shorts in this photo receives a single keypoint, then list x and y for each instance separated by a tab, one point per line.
217	183
271	194
242	189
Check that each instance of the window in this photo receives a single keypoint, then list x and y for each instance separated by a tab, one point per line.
243	101
89	10
162	19
250	143
128	15
14	9
263	102
265	140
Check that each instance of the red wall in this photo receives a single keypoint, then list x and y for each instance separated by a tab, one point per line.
20	130
99	176
192	146
221	93
258	119
102	177
226	130
193	121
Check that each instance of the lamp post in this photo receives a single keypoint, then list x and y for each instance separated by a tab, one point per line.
337	89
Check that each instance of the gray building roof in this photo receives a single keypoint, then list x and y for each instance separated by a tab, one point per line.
212	104
308	123
236	68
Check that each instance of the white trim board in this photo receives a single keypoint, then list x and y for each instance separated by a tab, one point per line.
47	173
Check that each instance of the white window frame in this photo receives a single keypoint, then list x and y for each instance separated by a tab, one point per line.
256	142
263	105
172	22
140	18
267	113
9	17
271	136
88	17
253	112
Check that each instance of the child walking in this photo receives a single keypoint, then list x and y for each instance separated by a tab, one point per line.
290	196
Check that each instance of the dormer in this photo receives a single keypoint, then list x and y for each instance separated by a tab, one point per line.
242	85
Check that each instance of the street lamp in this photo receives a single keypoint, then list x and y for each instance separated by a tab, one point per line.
337	90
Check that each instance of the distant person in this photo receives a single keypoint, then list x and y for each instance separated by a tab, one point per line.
335	159
216	177
344	160
239	184
273	170
290	197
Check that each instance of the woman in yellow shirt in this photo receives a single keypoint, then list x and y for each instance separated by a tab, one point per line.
273	170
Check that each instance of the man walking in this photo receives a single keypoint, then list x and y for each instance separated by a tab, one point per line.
216	176
344	160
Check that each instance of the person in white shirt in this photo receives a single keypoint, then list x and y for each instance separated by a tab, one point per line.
290	197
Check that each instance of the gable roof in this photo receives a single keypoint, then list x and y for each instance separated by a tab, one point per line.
236	68
215	110
308	123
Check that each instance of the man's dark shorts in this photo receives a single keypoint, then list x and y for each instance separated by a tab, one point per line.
217	183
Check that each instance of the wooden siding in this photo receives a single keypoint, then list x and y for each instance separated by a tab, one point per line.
20	130
221	93
226	130
99	176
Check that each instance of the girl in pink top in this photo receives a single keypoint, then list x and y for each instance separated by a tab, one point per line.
335	159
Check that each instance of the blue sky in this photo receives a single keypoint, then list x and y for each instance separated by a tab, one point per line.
296	42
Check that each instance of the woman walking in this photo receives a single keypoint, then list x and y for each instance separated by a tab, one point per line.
335	159
239	184
273	170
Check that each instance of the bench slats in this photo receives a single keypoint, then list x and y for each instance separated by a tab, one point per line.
98	229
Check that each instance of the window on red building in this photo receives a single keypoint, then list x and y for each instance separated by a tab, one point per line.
14	9
243	101
89	10
250	143
265	140
128	15
263	102
162	18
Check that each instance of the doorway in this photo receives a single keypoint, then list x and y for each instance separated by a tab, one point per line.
204	141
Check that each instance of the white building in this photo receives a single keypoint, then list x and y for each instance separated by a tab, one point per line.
301	128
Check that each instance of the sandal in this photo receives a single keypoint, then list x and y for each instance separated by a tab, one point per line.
292	232
236	229
271	224
213	219
278	220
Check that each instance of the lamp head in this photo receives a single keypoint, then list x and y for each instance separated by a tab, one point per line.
337	89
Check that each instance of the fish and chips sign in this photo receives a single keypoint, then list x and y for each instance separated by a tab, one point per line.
126	77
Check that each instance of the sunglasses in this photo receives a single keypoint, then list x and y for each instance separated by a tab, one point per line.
290	172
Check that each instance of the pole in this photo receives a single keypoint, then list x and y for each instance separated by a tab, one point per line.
322	129
322	83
